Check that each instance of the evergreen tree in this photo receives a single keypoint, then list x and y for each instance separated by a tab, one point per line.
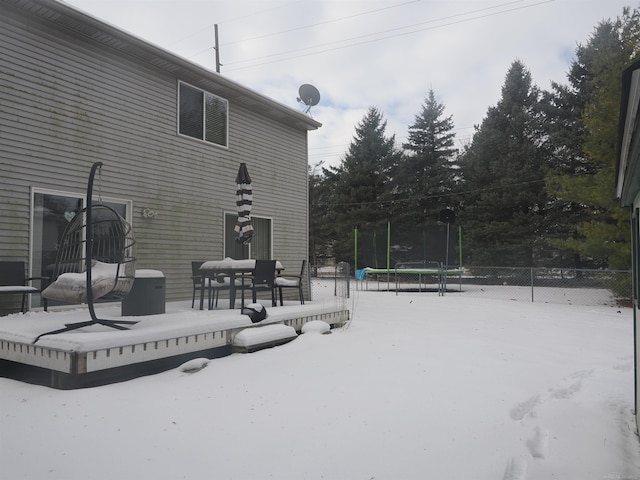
359	185
582	180
422	183
504	201
563	109
424	179
321	232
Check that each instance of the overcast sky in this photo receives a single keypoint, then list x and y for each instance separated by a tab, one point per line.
358	54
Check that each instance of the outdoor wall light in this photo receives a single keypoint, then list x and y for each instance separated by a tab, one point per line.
148	213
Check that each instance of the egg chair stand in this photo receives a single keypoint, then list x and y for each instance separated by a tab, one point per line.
95	261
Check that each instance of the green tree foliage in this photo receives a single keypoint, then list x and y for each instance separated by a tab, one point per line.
359	185
565	135
537	181
425	178
321	231
504	202
596	228
422	185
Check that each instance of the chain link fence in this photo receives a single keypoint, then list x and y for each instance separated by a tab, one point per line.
547	285
332	285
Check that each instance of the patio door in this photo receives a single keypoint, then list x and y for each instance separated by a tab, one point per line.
51	211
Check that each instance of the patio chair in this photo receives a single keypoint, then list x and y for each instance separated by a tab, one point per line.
112	265
13	281
198	281
213	286
95	261
262	280
291	281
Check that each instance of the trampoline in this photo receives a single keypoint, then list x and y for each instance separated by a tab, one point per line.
415	276
409	273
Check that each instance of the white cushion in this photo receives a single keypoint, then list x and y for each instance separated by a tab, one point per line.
72	287
221	282
17	289
287	282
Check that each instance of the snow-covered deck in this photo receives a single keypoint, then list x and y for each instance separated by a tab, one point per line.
97	354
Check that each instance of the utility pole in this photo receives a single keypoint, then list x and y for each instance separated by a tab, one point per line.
217	48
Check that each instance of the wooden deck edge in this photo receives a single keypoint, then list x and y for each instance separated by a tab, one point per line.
70	370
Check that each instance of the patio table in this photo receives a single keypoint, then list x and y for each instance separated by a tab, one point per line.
229	267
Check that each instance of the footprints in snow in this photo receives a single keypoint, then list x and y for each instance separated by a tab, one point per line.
521	410
538	442
538	445
516	469
566	393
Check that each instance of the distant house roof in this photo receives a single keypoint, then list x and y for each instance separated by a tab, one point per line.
83	24
628	168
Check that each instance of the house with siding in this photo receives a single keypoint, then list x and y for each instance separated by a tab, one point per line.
628	191
171	135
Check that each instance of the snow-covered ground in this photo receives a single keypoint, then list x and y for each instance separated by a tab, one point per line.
417	386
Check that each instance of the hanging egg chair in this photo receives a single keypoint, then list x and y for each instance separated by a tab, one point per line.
112	261
95	260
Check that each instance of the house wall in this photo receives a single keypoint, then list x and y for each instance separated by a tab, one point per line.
635	239
67	101
628	192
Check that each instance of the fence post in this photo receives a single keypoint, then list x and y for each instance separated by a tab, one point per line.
532	276
343	272
348	275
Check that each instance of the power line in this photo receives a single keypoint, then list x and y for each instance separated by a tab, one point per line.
243	17
296	28
286	31
320	23
454	193
388	36
260	12
440	195
398	138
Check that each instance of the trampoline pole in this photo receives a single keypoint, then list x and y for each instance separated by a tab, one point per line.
460	255
388	255
460	245
446	255
446	261
375	249
424	245
355	249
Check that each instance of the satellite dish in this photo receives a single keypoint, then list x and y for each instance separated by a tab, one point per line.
309	95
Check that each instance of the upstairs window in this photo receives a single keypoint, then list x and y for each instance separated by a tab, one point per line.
202	115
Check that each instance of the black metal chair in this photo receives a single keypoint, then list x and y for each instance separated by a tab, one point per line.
198	281
13	281
213	286
291	281
112	264
95	261
262	280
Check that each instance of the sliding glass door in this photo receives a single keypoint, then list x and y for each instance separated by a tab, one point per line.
260	246
51	211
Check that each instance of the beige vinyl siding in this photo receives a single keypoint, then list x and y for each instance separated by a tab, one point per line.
67	101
